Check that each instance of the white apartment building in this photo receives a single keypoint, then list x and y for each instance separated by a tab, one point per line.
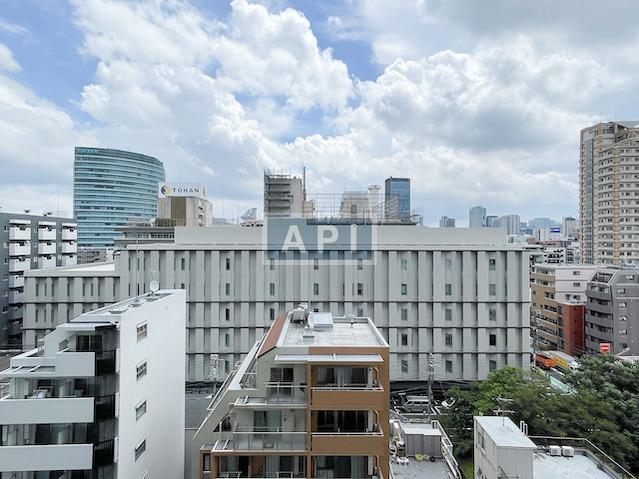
462	294
101	397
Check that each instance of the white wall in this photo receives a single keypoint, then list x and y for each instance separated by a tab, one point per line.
163	388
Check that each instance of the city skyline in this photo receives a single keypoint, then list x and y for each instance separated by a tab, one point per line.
356	99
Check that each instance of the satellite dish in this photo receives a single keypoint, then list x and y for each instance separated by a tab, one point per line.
154	286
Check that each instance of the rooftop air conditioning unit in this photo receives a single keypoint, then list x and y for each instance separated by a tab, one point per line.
554	450
567	451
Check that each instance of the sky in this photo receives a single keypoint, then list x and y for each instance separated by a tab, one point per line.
479	103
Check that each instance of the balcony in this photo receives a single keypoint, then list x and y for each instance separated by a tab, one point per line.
46	234
353	396
16	297
46	262
277	395
69	260
69	247
19	264
15	313
256	440
46	457
104	408
20	249
16	233
105	363
103	453
353	443
46	411
46	248
16	281
69	234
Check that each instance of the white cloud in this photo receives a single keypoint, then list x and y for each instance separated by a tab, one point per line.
7	62
12	28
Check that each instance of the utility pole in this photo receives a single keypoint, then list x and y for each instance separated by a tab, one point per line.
431	375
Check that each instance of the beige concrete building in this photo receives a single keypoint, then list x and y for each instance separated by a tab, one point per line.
309	400
609	193
462	294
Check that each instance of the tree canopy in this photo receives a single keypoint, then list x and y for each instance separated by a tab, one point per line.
603	409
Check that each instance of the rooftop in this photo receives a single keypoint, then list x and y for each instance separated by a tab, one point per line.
88	269
345	332
420	469
581	465
111	313
504	432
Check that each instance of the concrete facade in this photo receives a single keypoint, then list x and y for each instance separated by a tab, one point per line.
460	293
100	396
612	311
29	242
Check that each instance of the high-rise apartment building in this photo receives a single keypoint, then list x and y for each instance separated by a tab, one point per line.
397	199
612	311
284	196
459	293
477	217
609	193
492	221
101	397
446	222
310	399
510	223
569	228
29	242
550	285
110	188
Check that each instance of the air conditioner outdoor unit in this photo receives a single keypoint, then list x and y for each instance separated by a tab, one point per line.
567	451
554	450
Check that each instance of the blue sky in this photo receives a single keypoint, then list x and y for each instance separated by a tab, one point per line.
477	104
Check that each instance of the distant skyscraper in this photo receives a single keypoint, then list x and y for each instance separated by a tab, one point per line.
569	227
607	227
284	196
397	198
492	221
111	187
537	223
446	222
477	217
510	223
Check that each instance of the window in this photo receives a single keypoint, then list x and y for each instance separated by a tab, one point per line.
140	371
576	273
139	449
227	340
448	314
271	314
448	289
492	264
621	290
448	339
622	304
623	345
271	289
282	375
360	312
576	285
449	366
404	264
492	312
404	339
183	264
228	264
227	314
315	264
623	318
227	289
492	289
492	365
360	289
630	277
140	410
271	264
404	289
360	263
404	366
404	314
142	331
623	332
448	264
492	339
315	289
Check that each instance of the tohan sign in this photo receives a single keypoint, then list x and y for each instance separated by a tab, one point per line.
168	190
298	239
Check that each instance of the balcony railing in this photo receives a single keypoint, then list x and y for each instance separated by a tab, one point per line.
103	453
104	407
375	386
105	362
255	440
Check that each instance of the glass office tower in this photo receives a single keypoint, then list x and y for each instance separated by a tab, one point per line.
111	187
397	198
